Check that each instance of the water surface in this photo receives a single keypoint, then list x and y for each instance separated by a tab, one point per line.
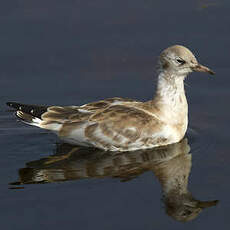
55	52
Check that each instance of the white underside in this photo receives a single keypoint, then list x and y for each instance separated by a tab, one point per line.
78	137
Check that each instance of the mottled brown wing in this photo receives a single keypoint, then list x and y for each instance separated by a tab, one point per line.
65	114
102	104
120	126
70	114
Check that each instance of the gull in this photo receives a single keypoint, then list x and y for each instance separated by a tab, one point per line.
118	124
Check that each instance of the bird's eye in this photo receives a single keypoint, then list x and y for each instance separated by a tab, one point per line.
180	61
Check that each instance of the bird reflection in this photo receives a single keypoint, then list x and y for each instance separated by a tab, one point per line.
171	165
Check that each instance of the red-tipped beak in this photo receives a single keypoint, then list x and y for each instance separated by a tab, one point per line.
201	68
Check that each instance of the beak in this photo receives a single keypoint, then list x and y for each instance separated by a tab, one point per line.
206	204
201	68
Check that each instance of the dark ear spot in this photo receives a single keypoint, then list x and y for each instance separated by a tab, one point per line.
165	65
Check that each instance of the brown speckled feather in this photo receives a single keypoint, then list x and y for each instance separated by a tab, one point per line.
109	124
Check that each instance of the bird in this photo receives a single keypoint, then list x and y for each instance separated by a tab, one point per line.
120	124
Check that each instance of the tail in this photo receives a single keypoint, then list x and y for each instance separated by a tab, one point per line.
30	114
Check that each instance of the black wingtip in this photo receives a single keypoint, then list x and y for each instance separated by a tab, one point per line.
9	103
12	104
34	110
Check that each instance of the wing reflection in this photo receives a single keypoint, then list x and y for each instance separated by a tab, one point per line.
171	164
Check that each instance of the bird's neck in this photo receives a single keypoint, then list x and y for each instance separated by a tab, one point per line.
170	99
170	89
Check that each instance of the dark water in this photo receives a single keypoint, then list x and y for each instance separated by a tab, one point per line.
56	52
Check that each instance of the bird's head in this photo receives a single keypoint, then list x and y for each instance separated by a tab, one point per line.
180	61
